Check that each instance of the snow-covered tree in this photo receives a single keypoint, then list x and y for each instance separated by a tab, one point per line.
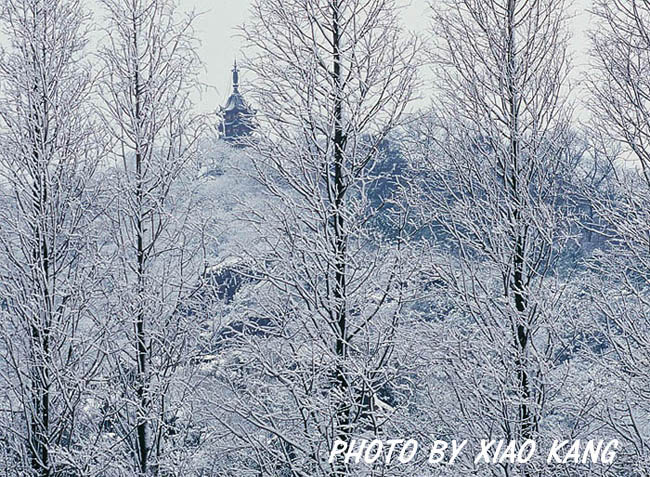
316	360
50	266
621	106
156	225
492	165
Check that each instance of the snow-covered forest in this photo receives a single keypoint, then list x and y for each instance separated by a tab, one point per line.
362	262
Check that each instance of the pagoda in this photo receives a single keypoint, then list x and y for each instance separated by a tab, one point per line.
236	115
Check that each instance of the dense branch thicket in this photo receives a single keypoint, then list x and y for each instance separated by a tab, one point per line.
51	269
620	103
332	80
492	185
154	225
174	304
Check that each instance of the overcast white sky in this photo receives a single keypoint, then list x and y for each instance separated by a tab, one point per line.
220	44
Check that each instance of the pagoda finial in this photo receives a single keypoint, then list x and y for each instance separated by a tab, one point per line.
235	78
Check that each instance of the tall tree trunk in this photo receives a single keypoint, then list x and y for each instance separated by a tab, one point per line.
340	241
518	287
140	334
42	319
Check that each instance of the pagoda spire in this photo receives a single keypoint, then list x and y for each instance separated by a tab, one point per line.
235	78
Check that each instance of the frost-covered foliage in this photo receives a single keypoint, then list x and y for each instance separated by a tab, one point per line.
175	304
328	289
51	264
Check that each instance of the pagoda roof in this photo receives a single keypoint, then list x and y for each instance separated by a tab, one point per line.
236	103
